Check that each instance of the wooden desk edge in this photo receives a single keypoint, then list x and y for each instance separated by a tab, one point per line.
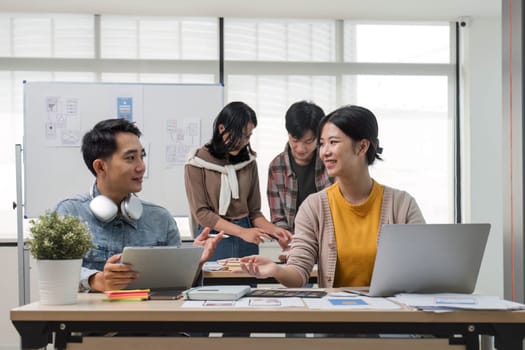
90	307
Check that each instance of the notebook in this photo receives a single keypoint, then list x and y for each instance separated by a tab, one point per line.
226	292
427	258
166	271
287	293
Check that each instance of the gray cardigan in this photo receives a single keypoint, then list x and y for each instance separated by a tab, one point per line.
314	237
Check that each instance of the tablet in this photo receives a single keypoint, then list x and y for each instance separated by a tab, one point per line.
163	267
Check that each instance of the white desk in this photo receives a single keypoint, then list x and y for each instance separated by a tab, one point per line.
36	323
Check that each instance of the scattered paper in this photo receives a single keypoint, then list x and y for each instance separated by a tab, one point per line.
454	301
349	301
246	303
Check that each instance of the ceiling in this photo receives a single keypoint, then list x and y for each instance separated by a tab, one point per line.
338	9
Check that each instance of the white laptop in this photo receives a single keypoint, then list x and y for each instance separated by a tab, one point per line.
427	258
167	271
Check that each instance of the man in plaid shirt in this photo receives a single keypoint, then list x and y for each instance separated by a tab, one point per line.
297	171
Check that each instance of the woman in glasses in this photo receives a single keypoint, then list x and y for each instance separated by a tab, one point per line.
222	186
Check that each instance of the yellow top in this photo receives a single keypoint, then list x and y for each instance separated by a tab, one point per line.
356	228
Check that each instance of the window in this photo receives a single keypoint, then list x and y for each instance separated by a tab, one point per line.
279	40
416	133
396	43
402	71
65	36
158	38
157	78
185	50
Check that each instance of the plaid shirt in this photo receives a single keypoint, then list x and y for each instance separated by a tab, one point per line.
282	188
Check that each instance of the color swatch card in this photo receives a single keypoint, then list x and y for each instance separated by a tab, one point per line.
127	295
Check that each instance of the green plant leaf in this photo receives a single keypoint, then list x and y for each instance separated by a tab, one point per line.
56	237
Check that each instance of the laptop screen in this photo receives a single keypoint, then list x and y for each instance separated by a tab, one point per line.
428	258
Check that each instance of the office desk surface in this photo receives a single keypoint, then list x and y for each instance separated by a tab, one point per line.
36	322
90	307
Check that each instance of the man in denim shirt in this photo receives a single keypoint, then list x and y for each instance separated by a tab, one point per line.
116	217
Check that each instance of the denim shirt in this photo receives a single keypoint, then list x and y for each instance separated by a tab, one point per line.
156	227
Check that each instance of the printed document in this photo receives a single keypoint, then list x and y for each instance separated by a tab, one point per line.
346	301
245	303
453	301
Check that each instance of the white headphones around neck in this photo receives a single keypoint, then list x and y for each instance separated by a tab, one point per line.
106	210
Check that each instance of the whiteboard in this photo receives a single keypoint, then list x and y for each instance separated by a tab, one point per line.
172	118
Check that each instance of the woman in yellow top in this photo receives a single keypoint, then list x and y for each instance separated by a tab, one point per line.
338	227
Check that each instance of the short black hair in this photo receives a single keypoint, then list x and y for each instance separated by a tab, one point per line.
235	117
358	123
100	142
302	117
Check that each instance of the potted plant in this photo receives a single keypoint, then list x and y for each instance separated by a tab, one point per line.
58	243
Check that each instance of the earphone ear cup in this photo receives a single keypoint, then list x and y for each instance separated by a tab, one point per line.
131	208
103	208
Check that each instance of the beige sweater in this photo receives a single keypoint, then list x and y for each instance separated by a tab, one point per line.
314	238
203	192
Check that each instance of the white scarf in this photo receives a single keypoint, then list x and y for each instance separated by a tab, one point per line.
229	183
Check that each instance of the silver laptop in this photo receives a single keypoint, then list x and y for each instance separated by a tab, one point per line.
167	271
427	258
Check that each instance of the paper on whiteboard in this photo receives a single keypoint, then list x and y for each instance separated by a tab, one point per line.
63	127
181	137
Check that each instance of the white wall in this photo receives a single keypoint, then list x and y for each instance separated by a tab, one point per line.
483	76
9	338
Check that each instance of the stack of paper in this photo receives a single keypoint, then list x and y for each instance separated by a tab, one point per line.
212	266
232	264
127	295
453	301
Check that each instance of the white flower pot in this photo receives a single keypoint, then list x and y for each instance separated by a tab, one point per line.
58	281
